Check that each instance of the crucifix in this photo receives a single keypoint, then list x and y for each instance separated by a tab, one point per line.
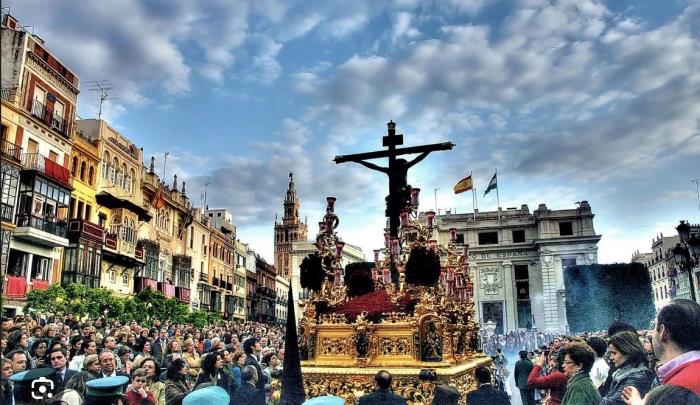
397	170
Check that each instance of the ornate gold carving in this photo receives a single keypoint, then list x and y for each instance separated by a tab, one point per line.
334	346
333	319
395	346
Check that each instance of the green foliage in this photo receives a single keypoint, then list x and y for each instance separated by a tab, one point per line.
85	302
597	295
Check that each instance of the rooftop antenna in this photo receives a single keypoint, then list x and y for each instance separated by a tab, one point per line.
103	87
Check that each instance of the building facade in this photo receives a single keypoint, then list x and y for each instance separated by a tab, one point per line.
265	299
282	288
197	248
290	230
39	96
121	210
517	261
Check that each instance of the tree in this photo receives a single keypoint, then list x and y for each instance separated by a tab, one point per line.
597	295
50	301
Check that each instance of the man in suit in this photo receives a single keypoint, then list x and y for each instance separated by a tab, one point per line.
109	365
251	348
248	393
383	395
59	363
522	371
159	347
486	394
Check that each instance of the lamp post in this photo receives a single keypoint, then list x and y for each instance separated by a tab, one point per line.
686	254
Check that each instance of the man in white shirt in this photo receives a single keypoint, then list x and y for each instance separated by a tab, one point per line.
601	368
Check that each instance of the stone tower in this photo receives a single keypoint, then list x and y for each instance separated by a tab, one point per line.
291	229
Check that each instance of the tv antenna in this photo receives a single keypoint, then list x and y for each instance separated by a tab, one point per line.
103	87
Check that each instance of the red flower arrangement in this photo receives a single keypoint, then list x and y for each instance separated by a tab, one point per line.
375	303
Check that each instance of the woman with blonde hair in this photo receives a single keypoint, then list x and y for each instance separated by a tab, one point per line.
192	358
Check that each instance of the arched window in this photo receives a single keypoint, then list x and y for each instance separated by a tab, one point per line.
105	166
83	167
74	167
132	178
91	176
122	180
113	170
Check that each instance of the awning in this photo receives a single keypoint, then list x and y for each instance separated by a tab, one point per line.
108	200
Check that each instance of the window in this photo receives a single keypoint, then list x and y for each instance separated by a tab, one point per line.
83	168
460	239
566	263
125	278
32	146
113	276
521	272
113	171
79	213
522	293
566	228
519	236
105	166
88	212
74	166
488	238
53	156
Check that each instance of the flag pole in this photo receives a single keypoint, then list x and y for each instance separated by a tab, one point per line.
473	196
498	199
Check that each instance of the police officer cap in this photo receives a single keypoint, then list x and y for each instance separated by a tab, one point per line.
213	395
26	377
107	387
325	400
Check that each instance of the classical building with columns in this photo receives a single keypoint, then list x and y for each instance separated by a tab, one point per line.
517	260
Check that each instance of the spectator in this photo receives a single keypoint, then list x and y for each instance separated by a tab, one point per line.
486	394
89	347
138	394
176	386
38	351
383	394
153	384
212	372
143	351
627	353
671	395
554	381
159	347
251	347
614	328
192	358
19	340
5	374
523	367
124	353
59	363
18	359
248	393
578	360
599	372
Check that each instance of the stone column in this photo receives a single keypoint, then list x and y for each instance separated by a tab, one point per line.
30	260
510	308
549	294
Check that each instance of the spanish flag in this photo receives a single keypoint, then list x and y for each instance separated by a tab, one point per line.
464	185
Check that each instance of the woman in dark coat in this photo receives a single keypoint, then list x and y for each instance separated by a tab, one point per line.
212	371
627	353
176	386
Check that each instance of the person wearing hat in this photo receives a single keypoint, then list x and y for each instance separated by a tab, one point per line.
211	395
325	400
33	386
383	395
105	391
248	393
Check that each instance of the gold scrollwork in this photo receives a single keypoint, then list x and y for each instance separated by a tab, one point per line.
334	346
400	346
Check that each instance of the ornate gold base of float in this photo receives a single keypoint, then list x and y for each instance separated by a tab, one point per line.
353	382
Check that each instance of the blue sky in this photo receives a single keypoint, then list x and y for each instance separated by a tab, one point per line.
571	100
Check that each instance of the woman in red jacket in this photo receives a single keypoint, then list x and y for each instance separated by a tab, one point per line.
554	380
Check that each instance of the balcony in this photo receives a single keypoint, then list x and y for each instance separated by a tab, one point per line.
42	164
11	151
6	212
9	94
48	117
138	253
78	228
123	252
166	288
41	231
141	283
16	287
183	294
203	278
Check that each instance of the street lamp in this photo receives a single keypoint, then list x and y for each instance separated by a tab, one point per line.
686	254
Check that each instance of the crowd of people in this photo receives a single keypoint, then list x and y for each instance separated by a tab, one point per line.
620	366
163	363
241	363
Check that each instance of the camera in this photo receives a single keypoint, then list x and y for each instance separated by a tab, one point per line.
42	388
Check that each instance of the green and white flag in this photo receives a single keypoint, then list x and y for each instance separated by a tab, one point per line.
492	184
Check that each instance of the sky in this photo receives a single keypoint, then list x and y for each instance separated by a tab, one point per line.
570	100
